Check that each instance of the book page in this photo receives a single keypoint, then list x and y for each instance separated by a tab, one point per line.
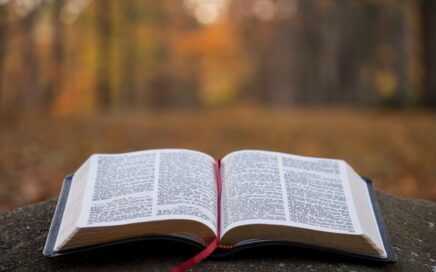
150	186
274	188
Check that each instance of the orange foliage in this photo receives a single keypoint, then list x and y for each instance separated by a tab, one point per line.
214	52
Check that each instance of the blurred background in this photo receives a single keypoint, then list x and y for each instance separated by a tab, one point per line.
354	80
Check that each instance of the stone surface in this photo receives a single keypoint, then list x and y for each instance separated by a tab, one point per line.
411	225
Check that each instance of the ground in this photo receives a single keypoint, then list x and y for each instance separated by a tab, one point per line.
396	149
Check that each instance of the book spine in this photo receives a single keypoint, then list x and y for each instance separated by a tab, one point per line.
215	243
219	189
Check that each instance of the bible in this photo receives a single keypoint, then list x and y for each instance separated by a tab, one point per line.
247	199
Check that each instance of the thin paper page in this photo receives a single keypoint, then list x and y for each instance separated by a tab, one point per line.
274	188
251	189
318	193
150	185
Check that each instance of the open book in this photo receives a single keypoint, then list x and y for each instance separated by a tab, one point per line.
248	198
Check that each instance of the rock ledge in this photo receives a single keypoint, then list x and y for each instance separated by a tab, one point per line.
411	226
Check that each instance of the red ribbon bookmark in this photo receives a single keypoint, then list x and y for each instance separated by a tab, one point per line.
214	244
197	258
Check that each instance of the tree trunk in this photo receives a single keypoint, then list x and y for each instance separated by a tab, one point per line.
55	86
128	84
31	85
104	33
401	96
281	60
429	43
3	46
